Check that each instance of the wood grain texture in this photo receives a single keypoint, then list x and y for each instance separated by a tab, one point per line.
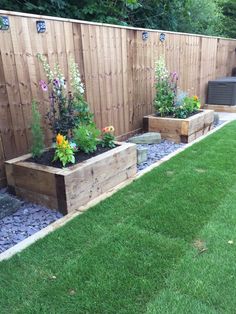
181	130
116	65
221	108
69	188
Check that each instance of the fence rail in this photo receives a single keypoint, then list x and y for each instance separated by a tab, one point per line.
116	65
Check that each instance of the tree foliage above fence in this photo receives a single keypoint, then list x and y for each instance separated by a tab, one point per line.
229	12
211	17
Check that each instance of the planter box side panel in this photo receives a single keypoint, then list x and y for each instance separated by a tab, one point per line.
33	185
10	176
182	130
200	122
48	201
199	133
95	179
67	189
170	129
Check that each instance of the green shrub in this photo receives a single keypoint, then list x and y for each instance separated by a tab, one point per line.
169	100
189	106
36	131
86	138
165	89
68	109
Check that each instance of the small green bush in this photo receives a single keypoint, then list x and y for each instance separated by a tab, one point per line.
37	132
189	106
86	138
68	109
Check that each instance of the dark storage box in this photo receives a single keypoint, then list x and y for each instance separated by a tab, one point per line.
222	91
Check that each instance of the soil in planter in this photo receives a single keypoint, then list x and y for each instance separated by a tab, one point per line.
171	116
47	157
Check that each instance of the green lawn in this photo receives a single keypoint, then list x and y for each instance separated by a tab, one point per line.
159	245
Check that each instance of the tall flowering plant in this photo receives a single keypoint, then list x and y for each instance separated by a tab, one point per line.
169	100
67	108
166	86
81	108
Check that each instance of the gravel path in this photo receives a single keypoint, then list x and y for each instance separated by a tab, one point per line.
158	151
29	219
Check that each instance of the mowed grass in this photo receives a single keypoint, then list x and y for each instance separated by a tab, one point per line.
164	244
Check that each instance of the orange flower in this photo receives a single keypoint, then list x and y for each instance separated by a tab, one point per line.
59	139
195	98
108	129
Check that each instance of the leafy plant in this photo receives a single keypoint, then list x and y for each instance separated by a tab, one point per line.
86	138
67	109
180	97
80	106
108	138
64	152
165	89
171	101
190	106
36	131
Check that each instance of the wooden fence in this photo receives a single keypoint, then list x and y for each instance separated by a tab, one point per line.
116	65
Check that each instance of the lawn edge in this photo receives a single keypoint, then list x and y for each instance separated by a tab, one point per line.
62	221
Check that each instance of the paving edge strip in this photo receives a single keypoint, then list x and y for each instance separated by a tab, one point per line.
62	221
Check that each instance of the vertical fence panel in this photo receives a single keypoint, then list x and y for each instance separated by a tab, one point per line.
12	87
208	64
116	65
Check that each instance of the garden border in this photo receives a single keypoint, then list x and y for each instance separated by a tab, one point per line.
62	221
221	108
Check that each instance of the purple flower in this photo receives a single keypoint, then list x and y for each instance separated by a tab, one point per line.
56	83
174	76
43	85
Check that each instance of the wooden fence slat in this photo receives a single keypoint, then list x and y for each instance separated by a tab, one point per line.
12	87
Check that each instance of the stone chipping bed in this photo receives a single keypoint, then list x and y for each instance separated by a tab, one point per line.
27	220
158	151
20	219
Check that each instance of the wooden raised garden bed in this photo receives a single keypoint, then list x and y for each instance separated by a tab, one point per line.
69	188
180	130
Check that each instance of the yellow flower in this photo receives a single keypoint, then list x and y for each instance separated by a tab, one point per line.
195	98
111	128
59	139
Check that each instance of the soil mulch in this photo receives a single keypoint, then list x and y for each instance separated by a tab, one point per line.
47	157
171	116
